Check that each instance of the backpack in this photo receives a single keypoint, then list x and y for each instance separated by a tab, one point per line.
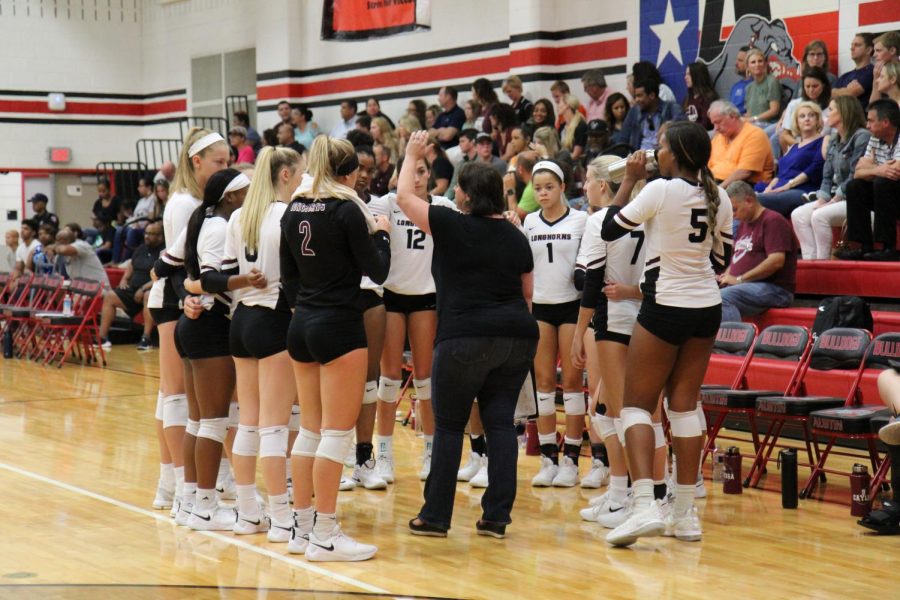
842	311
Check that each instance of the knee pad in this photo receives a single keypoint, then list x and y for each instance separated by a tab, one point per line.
213	429
175	411
159	405
246	441
306	444
192	427
632	415
273	441
234	415
659	435
370	396
335	445
604	426
701	417
574	404
423	388
546	402
620	430
294	422
388	389
684	424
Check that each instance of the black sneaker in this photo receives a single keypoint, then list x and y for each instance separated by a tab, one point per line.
423	528
144	344
850	254
490	528
886	255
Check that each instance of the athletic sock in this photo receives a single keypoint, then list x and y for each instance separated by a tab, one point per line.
206	501
572	449
324	525
246	499
549	447
684	497
659	490
479	444
304	518
429	443
189	492
179	481
598	452
279	508
642	493
386	445
618	488
167	475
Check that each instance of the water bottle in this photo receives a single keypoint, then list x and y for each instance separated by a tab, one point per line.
532	443
7	342
617	169
67	305
718	467
860	502
732	475
787	462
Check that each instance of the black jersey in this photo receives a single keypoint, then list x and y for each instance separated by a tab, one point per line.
326	249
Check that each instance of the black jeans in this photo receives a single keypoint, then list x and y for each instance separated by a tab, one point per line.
493	370
881	195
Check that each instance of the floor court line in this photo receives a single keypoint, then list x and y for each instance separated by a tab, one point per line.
211	534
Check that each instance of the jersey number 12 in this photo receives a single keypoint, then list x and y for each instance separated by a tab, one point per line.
415	239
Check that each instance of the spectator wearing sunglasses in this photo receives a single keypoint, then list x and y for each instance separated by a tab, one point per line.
642	123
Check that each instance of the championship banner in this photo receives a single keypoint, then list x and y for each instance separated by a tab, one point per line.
349	20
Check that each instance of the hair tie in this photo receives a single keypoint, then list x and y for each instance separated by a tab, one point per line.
238	183
348	166
546	165
205	142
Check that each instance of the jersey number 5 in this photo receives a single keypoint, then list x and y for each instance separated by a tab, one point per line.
306	232
702	227
415	239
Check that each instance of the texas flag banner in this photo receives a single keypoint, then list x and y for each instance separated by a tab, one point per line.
350	20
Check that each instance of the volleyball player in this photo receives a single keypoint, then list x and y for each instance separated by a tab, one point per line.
688	225
329	239
410	302
202	154
202	336
554	233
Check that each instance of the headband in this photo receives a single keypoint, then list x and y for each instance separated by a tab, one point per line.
238	183
546	165
348	166
205	142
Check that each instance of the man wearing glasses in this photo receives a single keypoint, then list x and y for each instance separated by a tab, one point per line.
639	130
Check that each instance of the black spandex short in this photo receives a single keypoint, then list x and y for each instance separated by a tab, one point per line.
166	314
401	303
126	296
368	299
258	331
203	337
603	335
677	325
322	334
557	314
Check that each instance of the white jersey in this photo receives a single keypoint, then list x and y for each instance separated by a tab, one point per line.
622	261
266	258
210	256
555	250
175	219
411	248
678	271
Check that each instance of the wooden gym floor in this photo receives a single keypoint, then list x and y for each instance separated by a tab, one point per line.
78	468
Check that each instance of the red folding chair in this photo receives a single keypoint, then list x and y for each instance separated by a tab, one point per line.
75	335
853	421
827	377
46	297
16	294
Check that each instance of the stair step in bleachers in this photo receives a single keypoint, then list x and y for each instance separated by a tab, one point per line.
848	278
884	321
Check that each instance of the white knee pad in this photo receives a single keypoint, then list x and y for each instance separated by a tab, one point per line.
306	444
620	430
632	415
684	424
574	404
659	435
213	429
423	388
604	426
546	402
159	405
294	423
246	441
273	441
370	396
175	411
234	415
701	417
192	427
388	389
335	445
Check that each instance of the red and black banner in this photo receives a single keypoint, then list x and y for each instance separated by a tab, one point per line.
348	20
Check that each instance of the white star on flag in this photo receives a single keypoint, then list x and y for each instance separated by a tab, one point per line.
668	32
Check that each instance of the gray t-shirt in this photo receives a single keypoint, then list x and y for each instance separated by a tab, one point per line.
85	264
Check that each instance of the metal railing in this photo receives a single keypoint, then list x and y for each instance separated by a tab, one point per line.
123	176
218	124
154	152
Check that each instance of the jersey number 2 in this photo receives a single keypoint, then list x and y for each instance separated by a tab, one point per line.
306	232
415	239
702	227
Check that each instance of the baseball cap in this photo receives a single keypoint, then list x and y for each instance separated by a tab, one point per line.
38	198
597	126
481	137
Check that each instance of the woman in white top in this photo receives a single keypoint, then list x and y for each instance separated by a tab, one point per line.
410	302
688	223
554	234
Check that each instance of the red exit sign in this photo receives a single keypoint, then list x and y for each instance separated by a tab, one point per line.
60	155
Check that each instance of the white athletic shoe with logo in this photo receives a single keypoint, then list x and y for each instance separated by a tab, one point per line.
481	477
250	523
684	526
384	466
185	509
426	466
598	506
337	547
365	475
567	475
471	469
227	488
615	514
280	533
164	497
218	519
547	474
644	522
346	484
699	488
597	477
176	505
299	541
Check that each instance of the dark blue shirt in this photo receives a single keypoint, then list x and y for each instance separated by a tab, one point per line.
864	76
455	117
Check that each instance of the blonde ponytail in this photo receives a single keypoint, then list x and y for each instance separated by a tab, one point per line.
261	194
185	178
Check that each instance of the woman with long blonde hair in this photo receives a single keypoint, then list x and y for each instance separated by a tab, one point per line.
383	133
573	131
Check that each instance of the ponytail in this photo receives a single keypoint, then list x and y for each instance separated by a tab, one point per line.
261	194
212	195
711	191
185	178
683	135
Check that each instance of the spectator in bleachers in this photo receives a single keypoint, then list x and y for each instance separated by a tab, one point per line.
597	140
405	126
762	98
81	260
41	214
38	261
286	139
384	134
525	203
519	139
888	83
363	124
740	151
503	119
431	115
546	143
594	85
483	93
484	150
472	111
373	109
450	122
616	110
28	240
107	206
646	71
358	137
857	83
875	188
886	50
270	137
241	119
104	238
347	122
815	55
700	94
644	118
512	88
815	89
237	138
573	133
763	269
305	130
467	153
739	89
146	210
813	221
441	168
161	191
166	172
384	170
416	108
543	115
131	295
558	91
800	169
284	112
8	251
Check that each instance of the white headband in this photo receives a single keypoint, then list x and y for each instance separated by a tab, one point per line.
205	142
238	183
546	165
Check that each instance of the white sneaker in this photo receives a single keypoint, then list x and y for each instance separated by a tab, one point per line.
219	519
366	476
176	505
384	466
700	488
337	547
280	533
597	477
346	484
185	509
597	507
299	541
567	476
481	477
645	522
684	526
471	469
614	514
426	467
227	489
164	497
547	474
248	524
